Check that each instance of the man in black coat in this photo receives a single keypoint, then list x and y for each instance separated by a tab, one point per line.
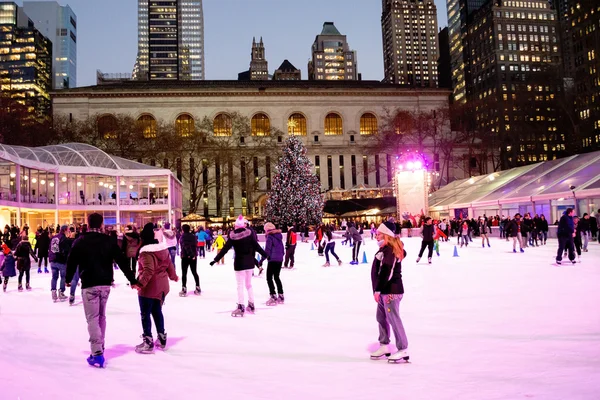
427	233
566	233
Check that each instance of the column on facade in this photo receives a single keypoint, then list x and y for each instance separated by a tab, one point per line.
212	191
118	201
170	199
335	169
18	191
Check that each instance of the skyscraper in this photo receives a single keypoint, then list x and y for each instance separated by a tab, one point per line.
410	42
59	24
332	58
170	40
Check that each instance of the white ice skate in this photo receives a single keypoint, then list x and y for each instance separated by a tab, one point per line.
383	350
272	300
400	356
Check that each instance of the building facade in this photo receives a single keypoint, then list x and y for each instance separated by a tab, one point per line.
513	83
170	40
410	42
287	72
337	121
332	58
25	63
59	24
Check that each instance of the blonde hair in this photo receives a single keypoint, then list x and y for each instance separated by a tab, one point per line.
396	245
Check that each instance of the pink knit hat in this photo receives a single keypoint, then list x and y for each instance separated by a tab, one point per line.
240	222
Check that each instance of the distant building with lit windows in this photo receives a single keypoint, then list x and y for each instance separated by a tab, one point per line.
410	42
25	62
332	58
287	72
259	67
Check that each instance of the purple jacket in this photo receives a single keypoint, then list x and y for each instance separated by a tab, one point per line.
274	246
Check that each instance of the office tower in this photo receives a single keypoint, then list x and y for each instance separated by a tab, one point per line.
459	12
332	58
25	63
287	72
410	42
59	24
444	64
170	40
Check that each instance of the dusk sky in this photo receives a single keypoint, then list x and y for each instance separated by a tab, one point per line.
107	33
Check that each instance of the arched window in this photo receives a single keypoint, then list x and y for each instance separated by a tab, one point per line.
261	125
368	124
222	125
107	126
297	125
334	124
185	125
147	124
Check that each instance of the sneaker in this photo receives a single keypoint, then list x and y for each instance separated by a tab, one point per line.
280	299
54	296
146	347
161	341
96	360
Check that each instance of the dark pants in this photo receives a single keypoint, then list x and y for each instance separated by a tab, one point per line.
45	259
330	248
173	253
191	263
565	243
201	251
132	262
428	244
355	250
273	270
320	250
151	307
289	255
27	276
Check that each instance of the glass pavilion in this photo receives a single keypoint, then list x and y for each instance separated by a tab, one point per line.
545	188
64	183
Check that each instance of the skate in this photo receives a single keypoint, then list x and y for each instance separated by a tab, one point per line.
146	347
28	287
250	308
46	270
183	292
326	264
54	296
558	262
20	288
339	262
71	300
239	311
280	299
260	271
438	253
489	245
483	245
514	250
382	351
400	356
522	251
161	341
272	300
197	291
418	259
578	259
429	260
96	361
39	270
573	262
61	296
4	287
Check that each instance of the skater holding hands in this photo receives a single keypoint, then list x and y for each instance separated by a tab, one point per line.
274	250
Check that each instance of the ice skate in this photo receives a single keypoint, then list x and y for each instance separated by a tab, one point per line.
489	245
197	291
339	262
183	292
61	296
272	300
146	347
28	287
250	308
280	299
558	262
239	311
438	253
71	300
383	350
46	270
20	289
522	251
514	250
429	260
161	341
418	259
578	259
326	264
573	262
39	270
96	361
400	356
483	245
54	296
4	287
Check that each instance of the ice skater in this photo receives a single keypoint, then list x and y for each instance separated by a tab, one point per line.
427	232
290	247
22	253
189	259
219	243
60	246
577	242
386	279
7	266
274	251
42	244
513	230
484	230
439	233
464	233
245	246
357	239
566	234
329	243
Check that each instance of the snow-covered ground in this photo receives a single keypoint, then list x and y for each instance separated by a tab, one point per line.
488	324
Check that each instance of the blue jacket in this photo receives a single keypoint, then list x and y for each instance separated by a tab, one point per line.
274	246
9	266
202	236
566	227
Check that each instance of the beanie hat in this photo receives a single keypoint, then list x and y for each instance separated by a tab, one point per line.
269	227
387	228
167	225
240	222
147	234
63	228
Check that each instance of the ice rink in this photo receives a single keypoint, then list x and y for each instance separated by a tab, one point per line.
486	325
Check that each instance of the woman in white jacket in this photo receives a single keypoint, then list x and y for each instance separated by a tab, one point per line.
329	244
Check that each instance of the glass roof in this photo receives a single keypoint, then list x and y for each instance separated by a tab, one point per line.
577	178
494	181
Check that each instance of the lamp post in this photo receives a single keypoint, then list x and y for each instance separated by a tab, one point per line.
575	199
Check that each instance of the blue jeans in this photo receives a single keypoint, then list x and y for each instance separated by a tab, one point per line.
152	307
74	282
173	253
56	270
330	248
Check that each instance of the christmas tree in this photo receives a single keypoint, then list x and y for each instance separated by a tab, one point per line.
295	196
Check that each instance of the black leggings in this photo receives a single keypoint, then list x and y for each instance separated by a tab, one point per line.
45	258
273	271
424	244
355	250
26	272
201	252
191	263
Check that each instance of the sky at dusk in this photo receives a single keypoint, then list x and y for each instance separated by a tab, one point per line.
107	33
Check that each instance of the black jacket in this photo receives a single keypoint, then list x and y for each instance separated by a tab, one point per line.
243	243
526	225
94	253
583	225
59	249
42	244
428	233
512	228
386	272
188	245
566	227
543	225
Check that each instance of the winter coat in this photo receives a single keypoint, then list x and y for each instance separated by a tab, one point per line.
188	245
169	238
219	242
94	254
543	225
154	271
386	272
583	225
22	252
243	243
274	246
131	244
42	244
291	239
8	266
527	225
512	227
356	236
483	228
427	232
566	227
203	237
59	249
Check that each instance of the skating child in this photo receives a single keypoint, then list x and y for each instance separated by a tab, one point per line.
219	243
7	266
245	246
388	290
439	233
22	252
274	251
202	239
465	231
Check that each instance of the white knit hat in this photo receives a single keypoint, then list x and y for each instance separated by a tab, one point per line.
385	229
240	222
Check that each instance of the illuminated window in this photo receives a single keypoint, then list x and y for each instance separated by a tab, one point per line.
297	125
107	126
333	124
147	124
368	124
222	125
185	125
261	125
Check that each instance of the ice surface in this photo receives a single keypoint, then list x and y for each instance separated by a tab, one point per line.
489	324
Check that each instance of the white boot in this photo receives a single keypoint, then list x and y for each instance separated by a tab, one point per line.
401	355
383	350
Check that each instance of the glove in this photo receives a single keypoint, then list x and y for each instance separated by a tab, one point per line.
213	262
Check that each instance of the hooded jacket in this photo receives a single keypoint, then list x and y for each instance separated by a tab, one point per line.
154	271
386	272
274	246
355	234
131	244
22	252
169	238
8	266
427	232
243	243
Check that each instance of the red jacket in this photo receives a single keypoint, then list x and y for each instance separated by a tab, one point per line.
155	269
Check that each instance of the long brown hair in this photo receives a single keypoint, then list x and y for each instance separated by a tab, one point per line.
396	245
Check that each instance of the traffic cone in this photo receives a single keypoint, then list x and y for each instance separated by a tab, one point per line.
312	246
455	252
364	260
